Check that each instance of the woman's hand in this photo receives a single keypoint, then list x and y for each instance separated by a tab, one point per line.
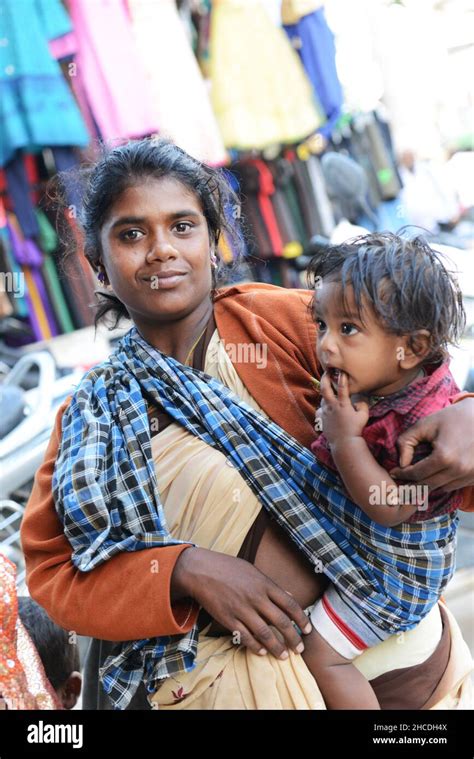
451	433
339	418
242	599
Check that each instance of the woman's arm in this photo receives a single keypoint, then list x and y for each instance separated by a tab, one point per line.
126	598
451	464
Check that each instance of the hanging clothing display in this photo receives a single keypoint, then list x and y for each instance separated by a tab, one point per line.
292	11
285	204
325	209
38	108
18	187
260	93
110	70
30	259
178	93
18	302
41	297
249	85
314	42
368	147
49	244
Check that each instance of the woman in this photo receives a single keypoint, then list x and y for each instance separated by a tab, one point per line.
152	220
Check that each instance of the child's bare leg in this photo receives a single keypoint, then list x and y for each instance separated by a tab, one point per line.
340	682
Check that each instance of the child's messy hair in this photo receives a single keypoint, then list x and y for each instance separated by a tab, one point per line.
403	280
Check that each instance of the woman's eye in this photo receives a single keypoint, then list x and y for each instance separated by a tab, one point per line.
183	226
131	235
320	325
348	329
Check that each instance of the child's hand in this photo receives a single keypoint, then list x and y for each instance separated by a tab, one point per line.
338	417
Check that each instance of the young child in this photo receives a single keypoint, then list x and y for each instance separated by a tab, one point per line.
386	309
59	655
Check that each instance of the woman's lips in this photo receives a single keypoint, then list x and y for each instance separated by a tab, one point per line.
164	282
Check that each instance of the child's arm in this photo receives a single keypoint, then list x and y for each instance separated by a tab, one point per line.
367	483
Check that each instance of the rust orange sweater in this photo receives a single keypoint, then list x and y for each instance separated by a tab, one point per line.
122	599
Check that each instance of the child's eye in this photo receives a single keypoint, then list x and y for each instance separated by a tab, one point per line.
131	235
348	329
320	325
183	226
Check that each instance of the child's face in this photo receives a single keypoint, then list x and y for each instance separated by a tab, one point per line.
363	350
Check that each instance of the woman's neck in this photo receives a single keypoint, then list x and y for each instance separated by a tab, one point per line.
177	338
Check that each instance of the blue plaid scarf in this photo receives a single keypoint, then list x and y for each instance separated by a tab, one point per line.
106	494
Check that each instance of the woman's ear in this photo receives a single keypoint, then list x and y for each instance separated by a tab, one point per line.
415	349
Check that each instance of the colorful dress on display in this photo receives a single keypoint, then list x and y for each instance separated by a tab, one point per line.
314	41
179	95
111	77
37	106
260	92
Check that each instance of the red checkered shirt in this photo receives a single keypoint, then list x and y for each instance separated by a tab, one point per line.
391	416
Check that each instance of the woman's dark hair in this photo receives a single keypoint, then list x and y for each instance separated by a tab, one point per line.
124	166
403	281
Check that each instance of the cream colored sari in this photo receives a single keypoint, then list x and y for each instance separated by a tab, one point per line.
207	502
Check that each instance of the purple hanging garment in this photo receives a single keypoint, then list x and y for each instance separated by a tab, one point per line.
27	254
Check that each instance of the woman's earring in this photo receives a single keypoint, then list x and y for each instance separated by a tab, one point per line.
213	260
101	277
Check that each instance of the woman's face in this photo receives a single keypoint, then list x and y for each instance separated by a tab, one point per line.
156	251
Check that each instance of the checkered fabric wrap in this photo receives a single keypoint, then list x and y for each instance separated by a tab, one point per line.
106	494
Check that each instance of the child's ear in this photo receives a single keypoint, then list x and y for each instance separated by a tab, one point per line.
416	347
71	690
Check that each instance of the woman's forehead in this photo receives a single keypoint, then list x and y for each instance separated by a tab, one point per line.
151	195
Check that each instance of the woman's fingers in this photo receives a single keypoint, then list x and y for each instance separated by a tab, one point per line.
450	432
431	471
279	610
245	601
463	482
407	443
243	637
282	612
290	607
268	625
267	639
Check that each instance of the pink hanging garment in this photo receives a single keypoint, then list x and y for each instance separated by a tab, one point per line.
111	73
180	98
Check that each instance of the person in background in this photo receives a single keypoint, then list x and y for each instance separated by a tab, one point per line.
428	196
23	682
58	653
